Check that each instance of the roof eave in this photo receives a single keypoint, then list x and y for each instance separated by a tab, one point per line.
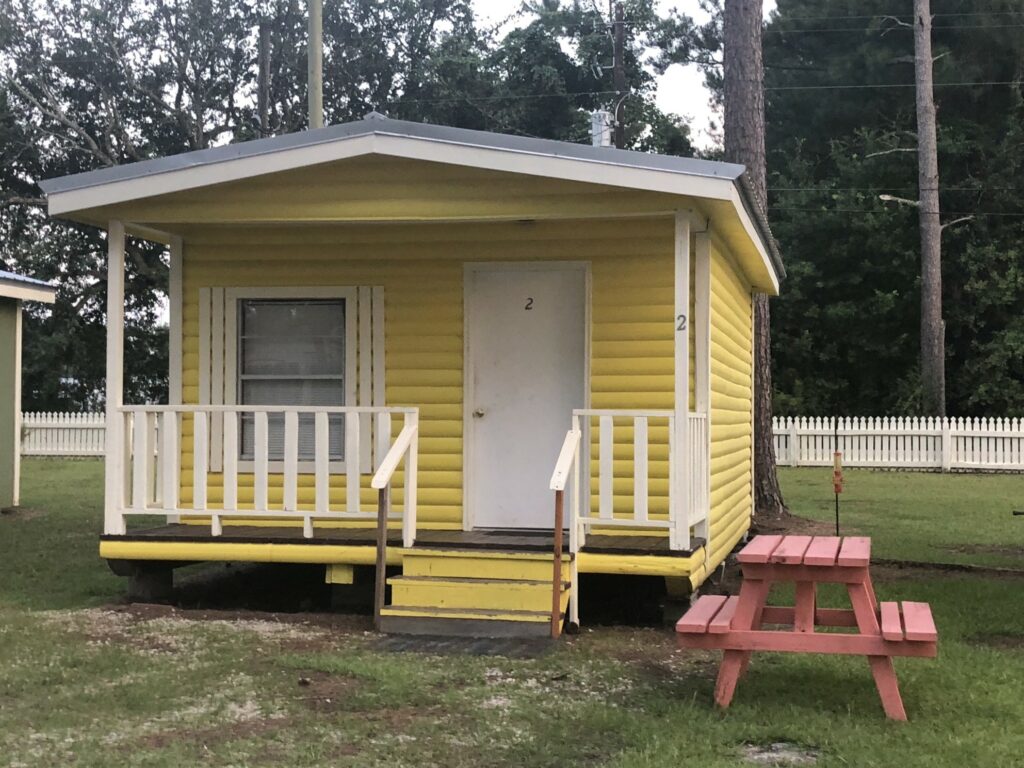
760	219
22	290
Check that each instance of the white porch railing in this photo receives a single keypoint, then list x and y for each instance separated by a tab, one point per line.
648	458
256	449
697	459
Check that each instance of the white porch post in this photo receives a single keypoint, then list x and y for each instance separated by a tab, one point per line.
175	301
113	496
702	375
680	492
174	343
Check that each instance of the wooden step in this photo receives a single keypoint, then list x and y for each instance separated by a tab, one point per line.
455	622
483	594
492	564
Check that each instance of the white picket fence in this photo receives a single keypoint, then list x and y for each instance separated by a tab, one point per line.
887	442
902	443
62	434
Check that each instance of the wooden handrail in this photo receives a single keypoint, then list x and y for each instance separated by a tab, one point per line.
382	482
556	586
382	478
565	458
558	479
380	583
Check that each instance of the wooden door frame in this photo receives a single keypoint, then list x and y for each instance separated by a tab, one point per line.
471	268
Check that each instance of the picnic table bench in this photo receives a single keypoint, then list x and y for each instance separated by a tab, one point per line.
735	624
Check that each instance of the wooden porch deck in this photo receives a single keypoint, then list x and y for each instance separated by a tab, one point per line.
488	539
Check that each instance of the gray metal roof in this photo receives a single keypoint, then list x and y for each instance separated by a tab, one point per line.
13	277
375	123
15	286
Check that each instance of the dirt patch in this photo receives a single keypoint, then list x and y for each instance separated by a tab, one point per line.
20	513
628	645
161	629
204	738
684	665
779	754
987	549
336	622
1001	641
326	693
908	569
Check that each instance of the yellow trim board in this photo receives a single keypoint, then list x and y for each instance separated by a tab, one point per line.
185	551
189	551
639	565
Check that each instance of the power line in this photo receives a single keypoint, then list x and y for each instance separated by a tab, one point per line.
893	189
856	86
1008	214
509	97
887	29
899	14
838	86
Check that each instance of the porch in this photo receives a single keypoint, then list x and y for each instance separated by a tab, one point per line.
327	475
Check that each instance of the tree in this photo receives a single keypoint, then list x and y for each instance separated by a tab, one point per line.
91	85
933	328
743	81
846	328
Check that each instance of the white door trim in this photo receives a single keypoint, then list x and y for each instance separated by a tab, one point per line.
473	267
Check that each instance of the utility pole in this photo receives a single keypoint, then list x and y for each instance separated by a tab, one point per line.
619	71
263	97
743	74
933	327
315	62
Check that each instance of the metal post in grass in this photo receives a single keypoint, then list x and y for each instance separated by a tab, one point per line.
837	467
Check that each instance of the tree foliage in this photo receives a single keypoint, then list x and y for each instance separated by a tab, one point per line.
90	85
846	329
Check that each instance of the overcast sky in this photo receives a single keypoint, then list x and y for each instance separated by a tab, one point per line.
680	90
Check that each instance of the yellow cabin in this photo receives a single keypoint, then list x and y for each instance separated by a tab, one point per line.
460	330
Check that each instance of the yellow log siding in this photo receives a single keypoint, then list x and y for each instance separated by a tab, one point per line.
421	270
731	404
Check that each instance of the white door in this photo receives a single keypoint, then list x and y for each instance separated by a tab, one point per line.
526	372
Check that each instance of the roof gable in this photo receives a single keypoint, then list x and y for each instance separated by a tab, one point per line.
76	196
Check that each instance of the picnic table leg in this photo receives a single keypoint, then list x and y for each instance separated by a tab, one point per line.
756	624
803	614
753	593
871	593
881	666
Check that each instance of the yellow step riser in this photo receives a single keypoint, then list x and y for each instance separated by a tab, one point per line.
484	596
474	567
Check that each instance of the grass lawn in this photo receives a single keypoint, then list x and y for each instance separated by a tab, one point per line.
919	516
87	681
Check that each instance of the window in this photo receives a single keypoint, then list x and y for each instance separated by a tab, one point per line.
292	352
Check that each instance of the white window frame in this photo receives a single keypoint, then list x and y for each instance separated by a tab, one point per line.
232	297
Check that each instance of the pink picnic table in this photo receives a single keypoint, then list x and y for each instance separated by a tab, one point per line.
736	625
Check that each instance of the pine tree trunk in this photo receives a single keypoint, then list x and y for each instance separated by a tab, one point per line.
933	330
745	143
